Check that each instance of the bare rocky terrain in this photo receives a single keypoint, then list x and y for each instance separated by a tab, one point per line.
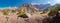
32	17
13	18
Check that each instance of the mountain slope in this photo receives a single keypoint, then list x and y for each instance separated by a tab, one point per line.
43	6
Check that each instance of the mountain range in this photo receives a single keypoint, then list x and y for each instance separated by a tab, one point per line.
43	6
30	7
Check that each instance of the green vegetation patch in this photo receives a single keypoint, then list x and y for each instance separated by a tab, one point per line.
5	12
13	11
20	13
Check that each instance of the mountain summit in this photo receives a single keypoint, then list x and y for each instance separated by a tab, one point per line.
28	8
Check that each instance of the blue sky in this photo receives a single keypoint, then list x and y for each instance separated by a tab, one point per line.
17	3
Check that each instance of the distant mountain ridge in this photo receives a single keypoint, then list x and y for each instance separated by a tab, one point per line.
34	8
43	6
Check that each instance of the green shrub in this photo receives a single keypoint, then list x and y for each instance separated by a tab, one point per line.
5	12
20	13
13	11
52	11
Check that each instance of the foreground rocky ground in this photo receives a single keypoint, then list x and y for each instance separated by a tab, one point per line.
13	18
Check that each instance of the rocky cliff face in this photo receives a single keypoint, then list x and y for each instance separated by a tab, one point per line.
28	8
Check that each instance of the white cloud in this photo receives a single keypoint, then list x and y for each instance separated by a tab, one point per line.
35	3
8	7
49	2
57	1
